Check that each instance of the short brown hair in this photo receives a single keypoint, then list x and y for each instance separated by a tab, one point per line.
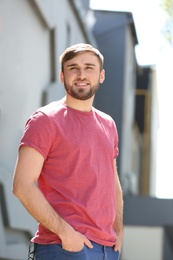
74	50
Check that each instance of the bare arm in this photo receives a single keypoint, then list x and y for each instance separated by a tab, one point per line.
118	224
27	171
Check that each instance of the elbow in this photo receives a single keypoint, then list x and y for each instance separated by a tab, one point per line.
21	188
16	189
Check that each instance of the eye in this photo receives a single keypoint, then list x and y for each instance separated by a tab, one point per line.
73	68
89	68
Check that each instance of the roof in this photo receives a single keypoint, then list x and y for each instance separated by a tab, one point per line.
114	20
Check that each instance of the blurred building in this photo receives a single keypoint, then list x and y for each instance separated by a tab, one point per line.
129	95
33	33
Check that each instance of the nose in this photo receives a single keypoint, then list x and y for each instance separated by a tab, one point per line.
81	74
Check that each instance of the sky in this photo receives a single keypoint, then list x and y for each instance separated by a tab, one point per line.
153	49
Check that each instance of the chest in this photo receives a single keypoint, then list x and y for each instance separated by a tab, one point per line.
83	134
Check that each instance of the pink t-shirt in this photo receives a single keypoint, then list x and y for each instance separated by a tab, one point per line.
78	174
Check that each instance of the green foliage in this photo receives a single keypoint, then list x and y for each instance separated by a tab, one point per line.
167	6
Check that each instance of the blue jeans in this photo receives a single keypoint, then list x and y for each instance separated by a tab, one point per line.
55	251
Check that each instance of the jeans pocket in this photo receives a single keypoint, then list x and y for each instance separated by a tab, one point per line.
55	251
66	252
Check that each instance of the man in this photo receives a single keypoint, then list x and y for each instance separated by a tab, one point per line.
69	148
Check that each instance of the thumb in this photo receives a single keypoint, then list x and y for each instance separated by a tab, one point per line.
115	248
88	243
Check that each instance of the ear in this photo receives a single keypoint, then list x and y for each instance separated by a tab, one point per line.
61	76
102	76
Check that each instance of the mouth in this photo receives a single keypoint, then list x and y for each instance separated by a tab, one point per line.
81	84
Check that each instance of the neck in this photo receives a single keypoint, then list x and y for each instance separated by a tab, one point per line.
81	105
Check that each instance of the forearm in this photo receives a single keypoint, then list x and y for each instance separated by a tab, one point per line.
37	205
118	223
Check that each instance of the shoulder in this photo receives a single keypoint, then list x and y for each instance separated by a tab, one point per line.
106	120
49	112
51	109
46	115
102	115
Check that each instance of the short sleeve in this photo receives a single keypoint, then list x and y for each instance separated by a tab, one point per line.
37	133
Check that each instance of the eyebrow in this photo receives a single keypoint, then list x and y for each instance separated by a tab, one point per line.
75	64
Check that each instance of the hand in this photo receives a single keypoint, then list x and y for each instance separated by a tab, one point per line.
118	243
75	241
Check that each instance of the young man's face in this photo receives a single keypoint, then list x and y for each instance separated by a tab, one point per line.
81	76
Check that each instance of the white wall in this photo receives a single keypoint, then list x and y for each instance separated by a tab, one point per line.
142	243
24	71
154	134
127	162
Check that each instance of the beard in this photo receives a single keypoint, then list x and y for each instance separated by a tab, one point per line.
81	93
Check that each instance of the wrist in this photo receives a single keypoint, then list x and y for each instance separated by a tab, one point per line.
65	230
